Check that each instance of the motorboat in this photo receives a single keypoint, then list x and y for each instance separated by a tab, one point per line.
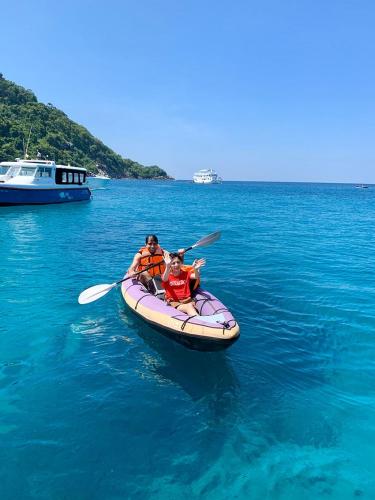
37	182
206	176
98	181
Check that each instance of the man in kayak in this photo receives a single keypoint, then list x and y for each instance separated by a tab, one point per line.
150	255
176	282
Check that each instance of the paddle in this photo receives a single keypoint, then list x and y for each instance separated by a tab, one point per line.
97	291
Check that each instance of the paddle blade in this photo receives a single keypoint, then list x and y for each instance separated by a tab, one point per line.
94	293
208	240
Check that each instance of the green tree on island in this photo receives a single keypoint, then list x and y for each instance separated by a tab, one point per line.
57	138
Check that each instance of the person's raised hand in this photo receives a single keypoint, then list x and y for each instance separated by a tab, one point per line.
167	257
198	263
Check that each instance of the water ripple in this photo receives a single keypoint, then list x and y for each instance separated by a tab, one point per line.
97	404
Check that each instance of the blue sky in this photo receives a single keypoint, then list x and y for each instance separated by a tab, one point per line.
272	90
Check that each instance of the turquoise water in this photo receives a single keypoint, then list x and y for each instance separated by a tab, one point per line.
95	404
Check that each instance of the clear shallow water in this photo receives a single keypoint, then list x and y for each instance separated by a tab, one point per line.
95	404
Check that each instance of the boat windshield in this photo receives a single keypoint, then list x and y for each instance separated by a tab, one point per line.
13	171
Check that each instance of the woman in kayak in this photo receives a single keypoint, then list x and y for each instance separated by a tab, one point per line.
176	282
149	255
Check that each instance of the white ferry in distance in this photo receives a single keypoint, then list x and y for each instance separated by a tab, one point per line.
206	176
37	182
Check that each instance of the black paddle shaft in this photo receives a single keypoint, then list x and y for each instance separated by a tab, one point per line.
147	268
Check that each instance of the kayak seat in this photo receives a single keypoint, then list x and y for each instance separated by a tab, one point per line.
155	287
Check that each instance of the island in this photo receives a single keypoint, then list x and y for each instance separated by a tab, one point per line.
42	130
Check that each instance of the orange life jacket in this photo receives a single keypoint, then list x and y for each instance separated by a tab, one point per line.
193	282
147	259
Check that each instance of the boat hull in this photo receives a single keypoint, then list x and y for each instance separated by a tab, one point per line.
214	330
21	196
205	182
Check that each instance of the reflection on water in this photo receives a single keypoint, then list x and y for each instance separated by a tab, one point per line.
203	376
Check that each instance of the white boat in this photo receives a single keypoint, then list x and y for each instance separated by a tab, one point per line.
206	176
98	181
37	182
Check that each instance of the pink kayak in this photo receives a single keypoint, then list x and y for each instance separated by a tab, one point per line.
213	330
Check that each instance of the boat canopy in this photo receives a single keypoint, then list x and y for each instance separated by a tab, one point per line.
71	168
36	162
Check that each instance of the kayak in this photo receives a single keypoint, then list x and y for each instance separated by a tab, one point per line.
214	329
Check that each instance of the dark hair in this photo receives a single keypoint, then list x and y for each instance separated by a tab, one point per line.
173	255
153	237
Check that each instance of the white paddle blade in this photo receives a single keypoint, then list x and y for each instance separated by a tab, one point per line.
208	240
94	293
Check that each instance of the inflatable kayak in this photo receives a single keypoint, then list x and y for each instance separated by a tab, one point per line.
213	330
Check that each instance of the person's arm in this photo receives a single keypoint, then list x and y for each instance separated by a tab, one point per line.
167	261
134	264
197	264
